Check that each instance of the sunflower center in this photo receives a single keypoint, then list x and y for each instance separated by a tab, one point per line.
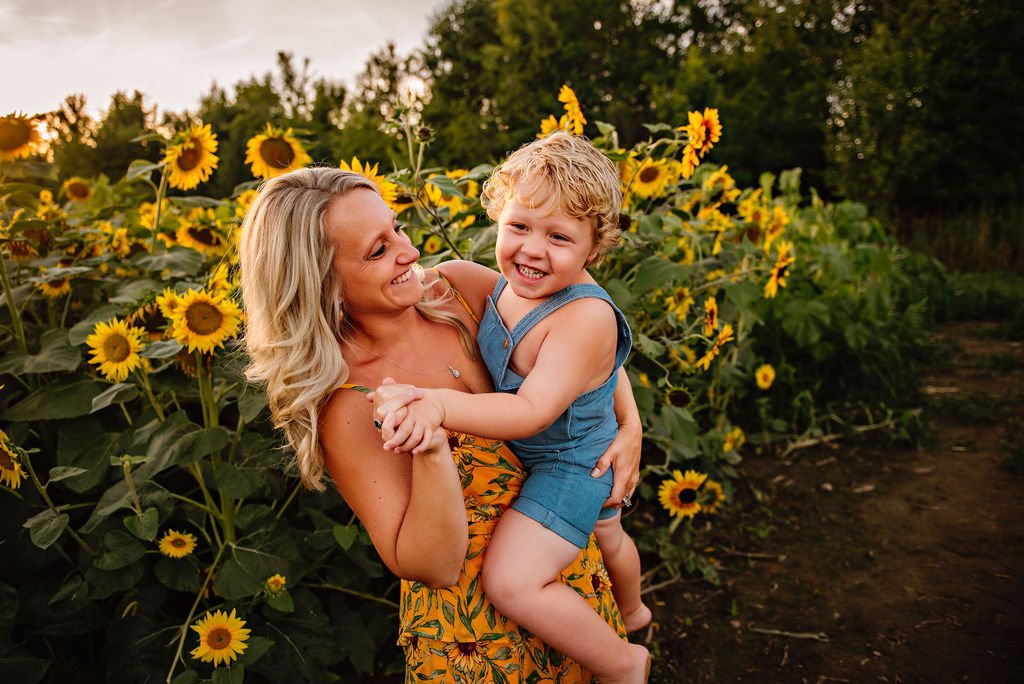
116	348
204	235
650	174
203	318
6	462
219	638
688	496
277	152
78	190
189	157
14	134
467	648
178	542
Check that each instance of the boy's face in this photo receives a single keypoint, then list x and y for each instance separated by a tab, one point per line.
541	251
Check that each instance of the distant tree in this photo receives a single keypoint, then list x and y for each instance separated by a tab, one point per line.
496	68
72	130
927	117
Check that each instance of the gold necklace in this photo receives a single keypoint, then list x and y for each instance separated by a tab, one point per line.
456	373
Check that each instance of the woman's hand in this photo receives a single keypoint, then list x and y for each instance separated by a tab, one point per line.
623	456
391	396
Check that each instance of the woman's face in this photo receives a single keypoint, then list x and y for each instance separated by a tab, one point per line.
373	256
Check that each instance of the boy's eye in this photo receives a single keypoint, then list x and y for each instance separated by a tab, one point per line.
559	237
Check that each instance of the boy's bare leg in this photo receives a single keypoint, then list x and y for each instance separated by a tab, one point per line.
622	561
520	577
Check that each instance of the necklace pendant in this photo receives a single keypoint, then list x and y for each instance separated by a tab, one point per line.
455	372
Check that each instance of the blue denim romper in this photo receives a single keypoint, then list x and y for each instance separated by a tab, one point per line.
559	493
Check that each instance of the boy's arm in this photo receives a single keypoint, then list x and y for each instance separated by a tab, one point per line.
623	454
580	339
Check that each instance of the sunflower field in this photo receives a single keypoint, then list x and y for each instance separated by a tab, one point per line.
150	528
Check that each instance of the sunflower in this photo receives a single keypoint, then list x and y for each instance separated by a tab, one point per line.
710	316
150	319
77	189
275	152
115	348
190	157
733	440
176	544
432	245
220	280
204	321
703	130
53	289
678	494
168	301
275	583
777	278
551	124
244	201
679	302
466	656
388	190
11	472
573	112
690	161
600	580
649	178
403	200
18	136
765	376
201	238
712	497
222	637
774	226
724	335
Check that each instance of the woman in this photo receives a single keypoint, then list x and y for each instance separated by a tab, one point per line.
335	304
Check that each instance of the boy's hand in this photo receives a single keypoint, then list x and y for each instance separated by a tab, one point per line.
391	396
414	427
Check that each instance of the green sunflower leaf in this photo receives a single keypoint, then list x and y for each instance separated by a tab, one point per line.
161	349
179	574
117	394
55	355
144	525
345	535
66	398
59	473
281	601
46	527
233	674
121	550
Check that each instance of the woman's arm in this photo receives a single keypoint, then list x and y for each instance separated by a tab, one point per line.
412	506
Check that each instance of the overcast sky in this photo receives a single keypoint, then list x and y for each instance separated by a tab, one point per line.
172	50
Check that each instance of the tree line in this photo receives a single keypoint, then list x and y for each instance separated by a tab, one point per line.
909	106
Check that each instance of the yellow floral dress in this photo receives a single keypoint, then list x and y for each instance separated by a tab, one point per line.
455	634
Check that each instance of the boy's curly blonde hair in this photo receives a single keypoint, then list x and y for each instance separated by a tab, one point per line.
561	171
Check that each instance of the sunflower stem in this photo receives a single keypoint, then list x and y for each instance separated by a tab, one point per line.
191	613
144	381
41	488
126	464
288	501
16	327
127	417
353	592
161	191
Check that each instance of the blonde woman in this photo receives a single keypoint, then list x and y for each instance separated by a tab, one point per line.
335	303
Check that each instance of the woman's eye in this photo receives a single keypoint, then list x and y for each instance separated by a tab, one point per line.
379	252
399	227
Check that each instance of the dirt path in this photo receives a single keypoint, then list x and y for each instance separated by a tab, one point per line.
874	564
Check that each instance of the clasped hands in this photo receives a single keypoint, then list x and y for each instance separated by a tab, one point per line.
410	420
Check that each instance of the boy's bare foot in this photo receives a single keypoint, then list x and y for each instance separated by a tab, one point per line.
639	668
638	619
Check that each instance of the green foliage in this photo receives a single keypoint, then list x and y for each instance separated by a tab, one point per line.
114	473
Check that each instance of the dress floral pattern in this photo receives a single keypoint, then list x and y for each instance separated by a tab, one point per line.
454	635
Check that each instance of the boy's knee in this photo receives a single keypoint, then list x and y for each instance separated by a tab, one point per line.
500	585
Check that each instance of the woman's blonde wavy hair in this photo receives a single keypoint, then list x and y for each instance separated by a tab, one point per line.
294	306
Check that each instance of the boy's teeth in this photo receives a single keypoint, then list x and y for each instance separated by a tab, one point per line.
529	272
